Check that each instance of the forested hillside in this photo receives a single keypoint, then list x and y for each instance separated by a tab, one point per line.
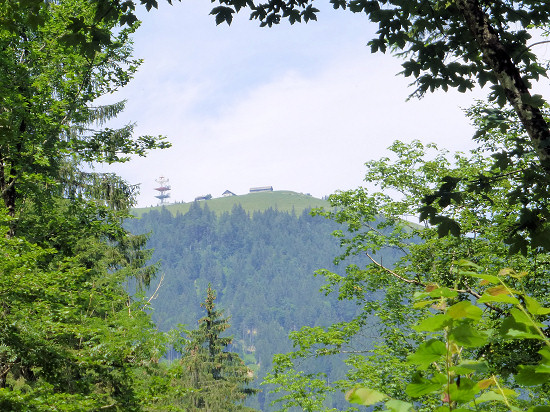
261	264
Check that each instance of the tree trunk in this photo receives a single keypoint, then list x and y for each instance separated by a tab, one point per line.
509	77
7	189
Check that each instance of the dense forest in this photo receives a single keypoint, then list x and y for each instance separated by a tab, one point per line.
261	265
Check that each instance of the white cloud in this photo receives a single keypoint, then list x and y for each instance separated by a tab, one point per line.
300	108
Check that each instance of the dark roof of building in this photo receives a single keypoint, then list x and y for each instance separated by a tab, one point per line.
262	189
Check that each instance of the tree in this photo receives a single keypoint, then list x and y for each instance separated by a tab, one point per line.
86	28
49	85
217	378
442	362
72	338
428	264
70	334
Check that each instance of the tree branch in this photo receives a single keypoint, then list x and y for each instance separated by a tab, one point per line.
391	272
469	291
509	77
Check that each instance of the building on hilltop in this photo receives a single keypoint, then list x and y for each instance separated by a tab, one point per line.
205	197
261	189
228	193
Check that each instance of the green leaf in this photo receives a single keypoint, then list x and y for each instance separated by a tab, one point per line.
512	273
543	368
443	292
527	375
486	383
487	298
223	14
497	290
310	13
435	291
427	213
489	278
490	396
517	334
463	392
464	263
433	323
395	405
468	336
447	226
421	386
149	4
464	310
521	317
468	366
518	244
535	100
427	353
365	396
509	393
423	303
534	307
519	326
545	353
415	390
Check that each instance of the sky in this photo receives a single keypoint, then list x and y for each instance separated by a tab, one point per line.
299	107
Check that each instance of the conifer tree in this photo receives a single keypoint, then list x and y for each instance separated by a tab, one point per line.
217	378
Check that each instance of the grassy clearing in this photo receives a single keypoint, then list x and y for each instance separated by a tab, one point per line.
282	200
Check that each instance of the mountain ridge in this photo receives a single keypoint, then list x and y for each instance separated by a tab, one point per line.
281	200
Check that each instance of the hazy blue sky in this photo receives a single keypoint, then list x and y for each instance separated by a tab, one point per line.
298	107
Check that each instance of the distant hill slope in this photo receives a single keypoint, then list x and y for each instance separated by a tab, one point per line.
281	200
262	264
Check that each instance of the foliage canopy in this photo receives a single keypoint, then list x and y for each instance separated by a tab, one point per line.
72	338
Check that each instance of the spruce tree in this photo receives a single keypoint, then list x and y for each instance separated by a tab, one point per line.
217	378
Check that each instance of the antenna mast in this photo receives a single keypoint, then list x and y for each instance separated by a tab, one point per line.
163	189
